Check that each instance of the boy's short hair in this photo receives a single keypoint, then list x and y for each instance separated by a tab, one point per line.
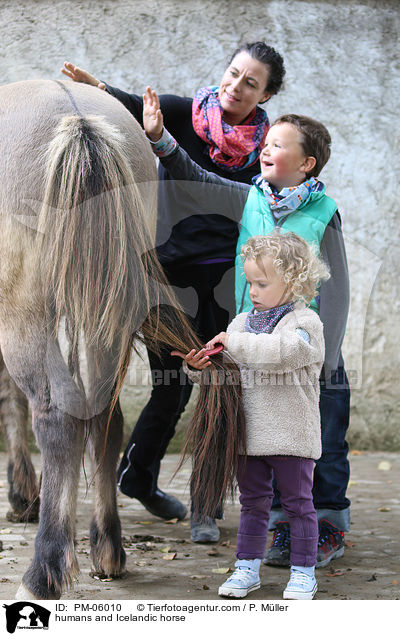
316	140
295	260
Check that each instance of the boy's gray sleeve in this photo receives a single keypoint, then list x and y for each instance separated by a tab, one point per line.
214	194
334	294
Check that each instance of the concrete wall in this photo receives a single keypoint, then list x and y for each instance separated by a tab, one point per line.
342	59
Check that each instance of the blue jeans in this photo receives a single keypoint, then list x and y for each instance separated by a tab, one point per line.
332	470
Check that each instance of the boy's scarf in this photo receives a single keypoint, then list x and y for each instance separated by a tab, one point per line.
288	199
266	321
231	147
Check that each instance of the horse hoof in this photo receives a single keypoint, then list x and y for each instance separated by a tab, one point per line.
23	594
24	516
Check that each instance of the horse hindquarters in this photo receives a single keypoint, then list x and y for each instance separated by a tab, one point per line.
23	493
90	263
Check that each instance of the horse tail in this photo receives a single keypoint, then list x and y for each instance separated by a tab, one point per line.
216	436
98	268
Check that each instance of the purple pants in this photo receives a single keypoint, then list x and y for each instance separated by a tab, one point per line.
294	476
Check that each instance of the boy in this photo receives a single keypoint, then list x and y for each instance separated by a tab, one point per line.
288	195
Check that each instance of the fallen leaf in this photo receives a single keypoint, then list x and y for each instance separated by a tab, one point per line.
226	543
349	544
213	552
166	549
145	523
356	452
170	557
4	580
197	576
100	578
384	465
172	520
353	483
395	582
205	587
135	538
373	578
335	573
146	547
221	570
384	509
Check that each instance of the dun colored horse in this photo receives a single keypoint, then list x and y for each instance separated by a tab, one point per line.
77	199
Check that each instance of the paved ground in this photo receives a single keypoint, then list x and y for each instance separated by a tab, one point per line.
162	563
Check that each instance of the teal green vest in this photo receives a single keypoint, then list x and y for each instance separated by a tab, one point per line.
309	220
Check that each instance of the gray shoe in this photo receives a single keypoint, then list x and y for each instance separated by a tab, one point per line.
203	531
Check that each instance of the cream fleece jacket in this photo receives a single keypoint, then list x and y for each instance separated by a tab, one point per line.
280	378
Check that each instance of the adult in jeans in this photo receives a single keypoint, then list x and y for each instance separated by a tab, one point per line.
223	129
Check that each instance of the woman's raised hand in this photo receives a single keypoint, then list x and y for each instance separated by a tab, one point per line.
153	121
80	75
199	360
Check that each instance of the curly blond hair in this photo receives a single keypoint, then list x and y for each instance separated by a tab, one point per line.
293	258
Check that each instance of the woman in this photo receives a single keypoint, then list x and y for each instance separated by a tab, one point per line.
223	130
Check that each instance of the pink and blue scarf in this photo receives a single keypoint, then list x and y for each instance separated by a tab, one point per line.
231	147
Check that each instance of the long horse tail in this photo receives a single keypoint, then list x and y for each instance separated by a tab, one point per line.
98	268
215	438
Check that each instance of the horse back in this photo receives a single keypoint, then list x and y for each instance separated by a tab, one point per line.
30	112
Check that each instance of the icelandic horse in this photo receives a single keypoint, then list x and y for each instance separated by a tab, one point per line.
77	201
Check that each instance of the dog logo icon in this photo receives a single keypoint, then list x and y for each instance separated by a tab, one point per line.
26	615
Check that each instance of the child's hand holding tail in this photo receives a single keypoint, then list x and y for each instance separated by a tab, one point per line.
198	360
221	338
153	121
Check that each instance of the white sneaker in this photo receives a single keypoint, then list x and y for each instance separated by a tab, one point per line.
245	579
301	586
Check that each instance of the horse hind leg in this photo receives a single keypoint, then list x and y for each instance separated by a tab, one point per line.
23	493
108	555
54	565
37	366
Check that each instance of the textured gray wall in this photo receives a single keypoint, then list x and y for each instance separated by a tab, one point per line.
342	60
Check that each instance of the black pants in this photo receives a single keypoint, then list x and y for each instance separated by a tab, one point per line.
209	313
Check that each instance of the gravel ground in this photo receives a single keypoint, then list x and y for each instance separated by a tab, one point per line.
162	563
